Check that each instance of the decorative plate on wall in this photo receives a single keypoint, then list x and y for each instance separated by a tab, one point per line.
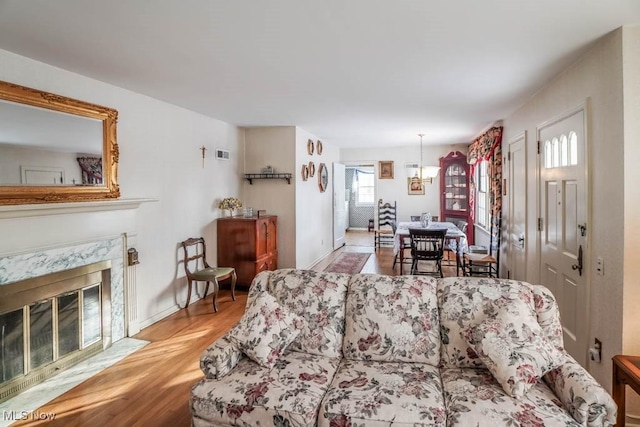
305	172
319	147
312	169
310	147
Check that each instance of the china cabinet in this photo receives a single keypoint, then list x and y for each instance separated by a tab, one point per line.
454	192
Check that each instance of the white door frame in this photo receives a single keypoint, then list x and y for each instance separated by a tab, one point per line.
339	239
521	137
587	265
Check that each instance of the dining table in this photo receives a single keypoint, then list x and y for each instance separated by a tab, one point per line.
455	239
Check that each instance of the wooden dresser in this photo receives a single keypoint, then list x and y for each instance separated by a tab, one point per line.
250	245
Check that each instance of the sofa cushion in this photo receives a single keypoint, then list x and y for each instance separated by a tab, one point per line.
474	398
392	319
318	298
516	354
289	393
467	301
265	330
370	393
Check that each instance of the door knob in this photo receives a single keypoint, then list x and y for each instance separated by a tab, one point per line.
578	266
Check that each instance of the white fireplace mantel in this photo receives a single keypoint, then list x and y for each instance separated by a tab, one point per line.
22	211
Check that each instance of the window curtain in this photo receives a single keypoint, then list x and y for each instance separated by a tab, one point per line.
91	169
356	175
488	147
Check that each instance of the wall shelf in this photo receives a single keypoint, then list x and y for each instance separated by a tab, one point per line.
251	176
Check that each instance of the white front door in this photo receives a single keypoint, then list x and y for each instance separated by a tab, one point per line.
517	194
339	211
563	251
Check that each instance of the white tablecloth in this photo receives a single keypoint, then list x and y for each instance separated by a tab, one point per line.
457	239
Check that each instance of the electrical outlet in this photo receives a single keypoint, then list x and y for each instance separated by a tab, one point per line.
600	266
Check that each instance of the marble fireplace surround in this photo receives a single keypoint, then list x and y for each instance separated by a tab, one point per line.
23	266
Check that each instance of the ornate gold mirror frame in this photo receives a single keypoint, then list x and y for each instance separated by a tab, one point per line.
108	189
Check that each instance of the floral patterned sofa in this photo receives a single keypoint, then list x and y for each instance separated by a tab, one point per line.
331	349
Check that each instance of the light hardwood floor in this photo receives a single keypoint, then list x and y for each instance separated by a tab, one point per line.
151	386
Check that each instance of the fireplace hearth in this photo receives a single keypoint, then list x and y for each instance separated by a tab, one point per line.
51	322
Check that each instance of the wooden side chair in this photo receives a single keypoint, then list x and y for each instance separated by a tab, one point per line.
427	245
479	264
386	218
198	270
480	261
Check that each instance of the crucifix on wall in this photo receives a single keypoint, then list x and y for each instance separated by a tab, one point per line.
203	149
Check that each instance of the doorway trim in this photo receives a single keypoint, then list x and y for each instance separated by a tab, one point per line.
522	136
586	111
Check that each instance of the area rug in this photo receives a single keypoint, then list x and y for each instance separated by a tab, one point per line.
348	262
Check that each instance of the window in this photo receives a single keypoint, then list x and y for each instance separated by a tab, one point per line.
482	200
364	186
561	152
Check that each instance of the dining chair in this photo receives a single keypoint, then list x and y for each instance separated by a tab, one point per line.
427	245
198	270
451	256
479	262
404	244
384	234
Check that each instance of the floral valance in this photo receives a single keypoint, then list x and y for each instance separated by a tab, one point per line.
488	147
483	147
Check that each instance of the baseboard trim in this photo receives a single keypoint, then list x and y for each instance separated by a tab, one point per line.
161	315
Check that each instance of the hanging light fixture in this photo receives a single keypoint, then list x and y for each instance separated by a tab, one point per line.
427	173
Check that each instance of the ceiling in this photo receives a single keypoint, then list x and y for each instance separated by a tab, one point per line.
355	73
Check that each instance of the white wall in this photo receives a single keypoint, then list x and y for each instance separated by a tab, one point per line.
631	270
597	80
13	156
396	188
314	210
159	158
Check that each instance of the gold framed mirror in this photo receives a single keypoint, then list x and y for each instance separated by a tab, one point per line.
55	149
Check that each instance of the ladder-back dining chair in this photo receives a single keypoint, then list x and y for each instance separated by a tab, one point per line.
482	261
427	245
385	233
198	270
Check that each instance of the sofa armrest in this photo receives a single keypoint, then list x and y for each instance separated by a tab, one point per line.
220	358
586	400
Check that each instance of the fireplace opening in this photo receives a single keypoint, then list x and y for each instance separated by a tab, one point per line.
52	322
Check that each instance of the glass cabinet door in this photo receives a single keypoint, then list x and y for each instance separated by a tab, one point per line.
455	188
